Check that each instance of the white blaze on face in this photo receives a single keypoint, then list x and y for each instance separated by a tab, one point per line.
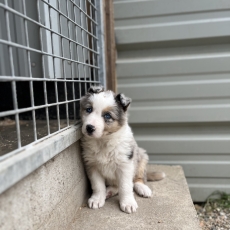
99	102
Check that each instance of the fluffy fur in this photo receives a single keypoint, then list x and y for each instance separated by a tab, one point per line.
113	161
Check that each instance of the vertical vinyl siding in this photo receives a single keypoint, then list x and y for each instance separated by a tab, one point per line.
174	62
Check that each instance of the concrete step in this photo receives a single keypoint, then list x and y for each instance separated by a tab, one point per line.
170	208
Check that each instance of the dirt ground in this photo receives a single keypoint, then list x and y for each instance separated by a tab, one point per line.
8	134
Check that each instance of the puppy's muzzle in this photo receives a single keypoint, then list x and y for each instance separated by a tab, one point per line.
90	129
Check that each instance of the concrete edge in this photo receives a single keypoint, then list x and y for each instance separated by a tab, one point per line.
19	166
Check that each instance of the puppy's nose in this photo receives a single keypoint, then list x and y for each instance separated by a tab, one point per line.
90	129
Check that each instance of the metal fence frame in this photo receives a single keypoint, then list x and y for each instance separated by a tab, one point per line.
22	161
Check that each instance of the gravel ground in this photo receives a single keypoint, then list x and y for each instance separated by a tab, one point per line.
213	218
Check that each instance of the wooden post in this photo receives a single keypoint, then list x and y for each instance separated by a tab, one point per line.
110	46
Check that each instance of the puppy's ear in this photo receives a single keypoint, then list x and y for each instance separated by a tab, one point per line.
124	101
96	89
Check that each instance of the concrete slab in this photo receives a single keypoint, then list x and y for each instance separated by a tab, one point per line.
170	208
49	197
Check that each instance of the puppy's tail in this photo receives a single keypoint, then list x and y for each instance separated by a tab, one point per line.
155	176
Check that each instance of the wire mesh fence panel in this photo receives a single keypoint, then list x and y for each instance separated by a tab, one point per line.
49	56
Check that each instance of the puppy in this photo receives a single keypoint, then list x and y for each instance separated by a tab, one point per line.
114	163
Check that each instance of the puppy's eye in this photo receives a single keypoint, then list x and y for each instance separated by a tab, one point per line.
107	116
89	110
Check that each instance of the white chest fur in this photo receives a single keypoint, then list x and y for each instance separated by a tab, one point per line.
109	153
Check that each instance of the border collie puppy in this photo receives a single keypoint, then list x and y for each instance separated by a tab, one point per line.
113	161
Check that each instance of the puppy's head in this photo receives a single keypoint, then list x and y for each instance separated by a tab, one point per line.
103	112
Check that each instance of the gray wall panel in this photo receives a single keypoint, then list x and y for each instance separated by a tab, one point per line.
135	9
201	192
178	90
174	65
174	62
178	114
201	169
205	28
186	145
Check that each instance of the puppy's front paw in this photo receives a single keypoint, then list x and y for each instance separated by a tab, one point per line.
128	205
95	202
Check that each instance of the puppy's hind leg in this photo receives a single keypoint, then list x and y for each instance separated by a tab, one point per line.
111	191
142	189
140	178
